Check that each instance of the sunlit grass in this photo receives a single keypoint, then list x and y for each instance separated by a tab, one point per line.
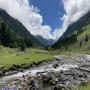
87	87
9	57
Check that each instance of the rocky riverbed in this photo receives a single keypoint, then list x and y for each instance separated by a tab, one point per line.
64	73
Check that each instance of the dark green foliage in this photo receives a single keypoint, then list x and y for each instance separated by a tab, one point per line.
65	42
22	46
9	39
13	33
80	31
69	38
5	35
77	26
86	38
80	43
66	47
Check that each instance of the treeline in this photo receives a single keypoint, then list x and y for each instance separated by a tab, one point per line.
10	39
67	41
72	39
86	39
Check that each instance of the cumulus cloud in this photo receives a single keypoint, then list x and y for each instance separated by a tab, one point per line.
74	9
29	15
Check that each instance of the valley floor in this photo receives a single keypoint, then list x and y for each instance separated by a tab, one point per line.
13	57
64	73
43	70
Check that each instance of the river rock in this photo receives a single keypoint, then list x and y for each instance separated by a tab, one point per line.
55	65
1	73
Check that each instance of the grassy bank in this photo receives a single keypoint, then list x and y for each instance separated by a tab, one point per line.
87	87
10	57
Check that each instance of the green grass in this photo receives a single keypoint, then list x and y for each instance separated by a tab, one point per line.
85	87
85	46
9	57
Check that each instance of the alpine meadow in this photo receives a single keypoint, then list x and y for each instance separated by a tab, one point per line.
44	45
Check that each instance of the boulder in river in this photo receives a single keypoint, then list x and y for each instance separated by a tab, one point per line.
55	65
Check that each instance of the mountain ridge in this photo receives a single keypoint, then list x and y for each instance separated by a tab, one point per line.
76	36
46	42
18	28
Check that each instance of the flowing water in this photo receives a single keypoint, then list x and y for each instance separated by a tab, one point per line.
44	68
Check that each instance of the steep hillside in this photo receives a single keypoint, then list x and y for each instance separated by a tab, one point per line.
77	26
18	29
77	36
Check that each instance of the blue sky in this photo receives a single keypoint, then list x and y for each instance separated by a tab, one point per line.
51	10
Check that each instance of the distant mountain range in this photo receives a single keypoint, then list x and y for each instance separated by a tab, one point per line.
20	31
76	36
46	42
14	34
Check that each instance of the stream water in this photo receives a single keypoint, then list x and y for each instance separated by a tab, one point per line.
41	69
68	66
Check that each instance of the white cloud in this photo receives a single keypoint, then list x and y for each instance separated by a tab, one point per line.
29	16
74	9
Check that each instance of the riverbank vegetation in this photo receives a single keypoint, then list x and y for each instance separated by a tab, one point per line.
11	57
